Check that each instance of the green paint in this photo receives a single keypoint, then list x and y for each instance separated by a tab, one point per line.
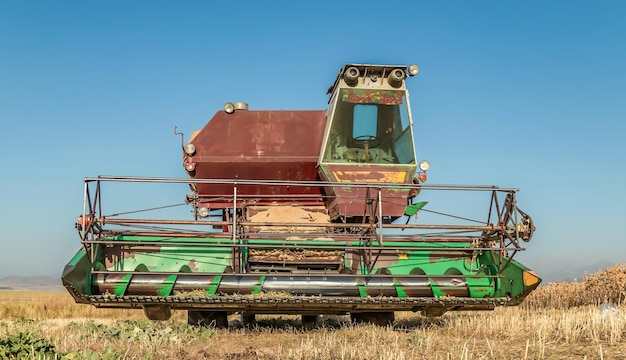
399	289
165	288
172	258
120	290
213	260
414	208
77	258
435	288
215	283
259	286
78	273
362	288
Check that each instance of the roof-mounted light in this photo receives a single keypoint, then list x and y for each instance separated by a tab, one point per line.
424	165
240	105
351	76
229	108
395	77
412	70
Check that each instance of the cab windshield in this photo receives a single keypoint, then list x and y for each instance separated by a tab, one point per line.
370	126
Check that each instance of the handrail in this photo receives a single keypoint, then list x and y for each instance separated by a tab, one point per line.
108	178
498	228
122	221
340	246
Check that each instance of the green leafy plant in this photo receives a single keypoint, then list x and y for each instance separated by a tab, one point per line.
109	353
26	345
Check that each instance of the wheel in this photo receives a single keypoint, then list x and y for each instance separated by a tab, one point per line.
157	312
309	321
370	140
365	138
217	319
376	318
248	319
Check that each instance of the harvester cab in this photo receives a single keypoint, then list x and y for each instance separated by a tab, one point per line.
304	212
369	118
369	138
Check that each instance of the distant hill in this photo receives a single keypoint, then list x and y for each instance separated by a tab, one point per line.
41	283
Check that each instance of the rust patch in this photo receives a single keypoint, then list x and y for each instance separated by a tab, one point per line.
386	259
113	254
416	287
452	286
378	287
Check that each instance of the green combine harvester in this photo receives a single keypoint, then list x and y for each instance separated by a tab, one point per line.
304	212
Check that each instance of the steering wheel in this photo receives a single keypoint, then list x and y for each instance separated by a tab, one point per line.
361	140
365	138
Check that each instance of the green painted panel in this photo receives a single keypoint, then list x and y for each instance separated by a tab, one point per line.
168	258
215	259
212	288
165	288
78	273
399	289
120	289
362	288
259	286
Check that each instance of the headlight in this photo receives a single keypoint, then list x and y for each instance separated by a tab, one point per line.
424	165
203	212
395	77
351	76
190	149
413	70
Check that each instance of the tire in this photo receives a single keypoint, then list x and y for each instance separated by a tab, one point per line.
309	321
377	318
216	319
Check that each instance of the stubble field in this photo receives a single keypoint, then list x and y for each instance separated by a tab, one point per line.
557	321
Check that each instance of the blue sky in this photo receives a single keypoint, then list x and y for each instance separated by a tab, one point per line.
517	94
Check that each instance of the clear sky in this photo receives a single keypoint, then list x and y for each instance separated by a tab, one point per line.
518	94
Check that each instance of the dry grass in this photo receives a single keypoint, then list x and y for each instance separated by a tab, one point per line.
558	321
18	304
604	286
506	333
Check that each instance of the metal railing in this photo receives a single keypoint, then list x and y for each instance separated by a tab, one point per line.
504	226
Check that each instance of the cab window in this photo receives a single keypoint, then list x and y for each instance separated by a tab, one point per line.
370	126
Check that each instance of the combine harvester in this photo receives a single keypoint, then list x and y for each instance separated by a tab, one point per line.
305	212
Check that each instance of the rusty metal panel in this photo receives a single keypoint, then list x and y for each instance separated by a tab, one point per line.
262	134
351	201
260	145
